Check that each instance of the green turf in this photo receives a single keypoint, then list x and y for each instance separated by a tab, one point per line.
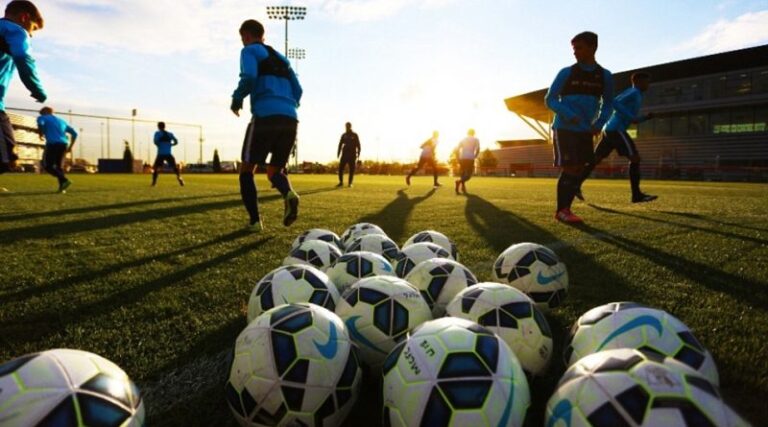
157	279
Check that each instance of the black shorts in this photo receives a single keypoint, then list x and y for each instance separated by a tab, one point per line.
7	143
53	156
572	148
167	158
467	167
618	140
271	134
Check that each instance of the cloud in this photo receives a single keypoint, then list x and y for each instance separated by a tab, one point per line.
351	11
749	29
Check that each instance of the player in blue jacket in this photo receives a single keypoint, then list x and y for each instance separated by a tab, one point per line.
164	141
626	111
581	97
267	77
21	20
57	145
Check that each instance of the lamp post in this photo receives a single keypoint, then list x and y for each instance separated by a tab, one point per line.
296	53
133	132
286	13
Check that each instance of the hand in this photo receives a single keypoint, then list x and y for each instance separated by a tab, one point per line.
39	97
236	106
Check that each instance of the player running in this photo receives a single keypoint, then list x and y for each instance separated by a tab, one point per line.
349	150
427	158
165	141
55	131
468	150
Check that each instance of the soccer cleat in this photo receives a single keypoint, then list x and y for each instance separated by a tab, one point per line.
463	188
579	195
256	227
4	190
565	215
438	185
64	185
291	208
642	198
339	185
350	185
181	181
408	180
456	187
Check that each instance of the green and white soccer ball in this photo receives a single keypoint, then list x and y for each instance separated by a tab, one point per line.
410	256
316	253
439	280
378	312
318	234
353	266
292	284
293	365
65	387
435	237
376	243
359	230
511	315
628	387
454	372
534	269
631	325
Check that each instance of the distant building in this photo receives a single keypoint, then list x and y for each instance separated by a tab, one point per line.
711	121
29	146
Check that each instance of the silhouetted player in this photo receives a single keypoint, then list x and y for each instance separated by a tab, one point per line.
427	158
165	141
468	150
57	145
349	150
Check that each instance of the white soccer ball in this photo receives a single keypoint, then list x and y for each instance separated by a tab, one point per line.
316	253
511	315
353	266
359	230
378	312
435	237
318	234
452	371
292	284
631	325
293	365
65	387
439	280
376	243
627	387
534	269
410	256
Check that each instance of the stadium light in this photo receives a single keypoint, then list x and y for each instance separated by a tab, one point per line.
296	53
286	13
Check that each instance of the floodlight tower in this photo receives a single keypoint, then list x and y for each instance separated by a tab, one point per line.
286	13
296	53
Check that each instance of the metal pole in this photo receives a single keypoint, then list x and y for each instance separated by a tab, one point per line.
109	142
81	143
101	133
201	145
286	35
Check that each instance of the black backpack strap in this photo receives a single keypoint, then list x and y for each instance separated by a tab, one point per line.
272	65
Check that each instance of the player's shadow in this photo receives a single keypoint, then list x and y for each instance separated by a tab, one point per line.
691	215
393	217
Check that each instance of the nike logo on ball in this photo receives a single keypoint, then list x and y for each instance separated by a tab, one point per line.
358	337
632	324
544	280
328	350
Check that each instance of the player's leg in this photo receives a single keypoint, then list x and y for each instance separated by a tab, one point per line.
156	169
626	147
469	169
433	165
247	184
352	166
280	136
414	170
61	154
572	151
342	163
172	163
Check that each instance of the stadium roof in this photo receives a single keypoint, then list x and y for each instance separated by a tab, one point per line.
531	104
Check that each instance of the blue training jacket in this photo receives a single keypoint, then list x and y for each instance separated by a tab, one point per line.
14	53
593	111
164	141
626	110
55	130
270	95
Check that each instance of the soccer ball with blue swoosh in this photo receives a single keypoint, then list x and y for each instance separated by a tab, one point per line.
632	325
358	230
289	284
629	387
454	372
378	312
511	315
293	365
534	269
415	253
439	280
318	234
317	253
435	237
64	387
353	266
376	243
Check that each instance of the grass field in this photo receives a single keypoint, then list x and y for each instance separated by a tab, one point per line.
157	279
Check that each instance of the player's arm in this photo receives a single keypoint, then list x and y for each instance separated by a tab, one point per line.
295	86
156	138
341	144
18	46
553	101
606	102
40	128
173	139
249	71
357	147
72	137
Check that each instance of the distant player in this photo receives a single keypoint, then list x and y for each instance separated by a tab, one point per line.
57	145
275	92
468	150
164	141
349	150
427	158
21	20
626	110
581	97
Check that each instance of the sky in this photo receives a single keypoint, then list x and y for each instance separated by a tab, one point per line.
396	69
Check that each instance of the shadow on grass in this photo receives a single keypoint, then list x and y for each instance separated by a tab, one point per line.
393	217
699	217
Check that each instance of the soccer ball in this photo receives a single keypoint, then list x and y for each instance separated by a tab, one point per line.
318	234
317	253
452	371
293	365
376	243
435	237
353	266
359	230
631	325
439	280
65	387
410	256
378	312
289	284
535	270
511	315
624	387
